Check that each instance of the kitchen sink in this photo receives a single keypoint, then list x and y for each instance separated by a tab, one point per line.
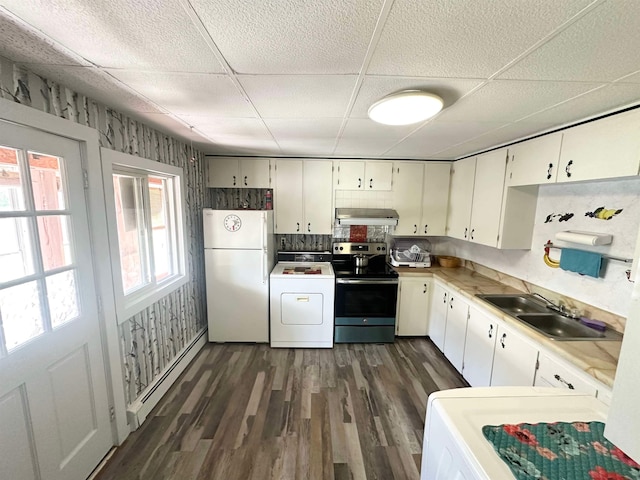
528	310
514	304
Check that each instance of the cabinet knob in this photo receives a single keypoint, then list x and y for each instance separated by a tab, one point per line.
549	171
504	335
567	169
490	330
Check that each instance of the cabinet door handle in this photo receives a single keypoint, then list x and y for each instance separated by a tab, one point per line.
415	228
444	298
567	169
234	180
359	183
245	181
465	232
297	226
451	303
425	228
562	380
309	227
549	171
425	288
472	230
504	335
490	330
371	183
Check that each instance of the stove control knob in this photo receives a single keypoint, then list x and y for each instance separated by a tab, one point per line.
341	248
378	248
335	248
384	248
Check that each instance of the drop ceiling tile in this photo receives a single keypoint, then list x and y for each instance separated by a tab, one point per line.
633	78
136	34
174	127
376	87
97	85
366	138
601	46
444	38
189	93
437	136
507	101
292	36
299	96
610	98
314	137
24	45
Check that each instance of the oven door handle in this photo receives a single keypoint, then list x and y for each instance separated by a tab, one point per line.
368	282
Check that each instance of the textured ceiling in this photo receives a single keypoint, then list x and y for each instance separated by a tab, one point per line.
295	78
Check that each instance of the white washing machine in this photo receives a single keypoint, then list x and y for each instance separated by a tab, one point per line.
302	290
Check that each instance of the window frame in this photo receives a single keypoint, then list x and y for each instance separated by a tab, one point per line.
132	303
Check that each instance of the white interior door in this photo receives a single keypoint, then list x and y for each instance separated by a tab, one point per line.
53	395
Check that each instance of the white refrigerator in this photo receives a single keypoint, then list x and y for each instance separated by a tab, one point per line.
238	259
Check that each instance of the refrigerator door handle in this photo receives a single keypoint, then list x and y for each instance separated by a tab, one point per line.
265	250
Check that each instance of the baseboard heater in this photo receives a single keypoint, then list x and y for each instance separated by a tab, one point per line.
137	412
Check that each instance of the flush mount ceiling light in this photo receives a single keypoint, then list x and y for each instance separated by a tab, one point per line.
405	108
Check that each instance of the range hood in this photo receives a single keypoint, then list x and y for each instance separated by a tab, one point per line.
366	216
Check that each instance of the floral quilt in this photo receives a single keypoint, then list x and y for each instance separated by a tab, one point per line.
560	451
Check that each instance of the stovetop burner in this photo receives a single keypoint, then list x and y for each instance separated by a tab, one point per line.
344	264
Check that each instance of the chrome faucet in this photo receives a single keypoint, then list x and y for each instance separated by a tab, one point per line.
559	307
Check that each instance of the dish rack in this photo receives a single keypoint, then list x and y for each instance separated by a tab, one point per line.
412	256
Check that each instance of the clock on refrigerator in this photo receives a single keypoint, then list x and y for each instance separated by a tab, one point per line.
232	222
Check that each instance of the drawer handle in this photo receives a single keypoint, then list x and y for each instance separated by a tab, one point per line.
234	180
302	299
562	380
549	171
298	226
425	228
415	228
567	169
309	227
504	335
245	181
490	330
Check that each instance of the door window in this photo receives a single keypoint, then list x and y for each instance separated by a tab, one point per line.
38	290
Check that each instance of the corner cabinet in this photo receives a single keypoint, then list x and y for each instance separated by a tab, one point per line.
230	172
420	195
460	198
414	294
369	175
606	148
303	196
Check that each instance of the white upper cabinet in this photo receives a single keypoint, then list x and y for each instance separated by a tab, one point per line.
460	198
223	172
486	208
534	162
421	195
360	175
303	196
407	197
435	198
606	148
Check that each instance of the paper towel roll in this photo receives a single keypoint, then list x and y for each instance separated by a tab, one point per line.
584	238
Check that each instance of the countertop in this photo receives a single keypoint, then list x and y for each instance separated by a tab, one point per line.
599	358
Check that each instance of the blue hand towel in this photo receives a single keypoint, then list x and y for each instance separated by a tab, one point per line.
579	261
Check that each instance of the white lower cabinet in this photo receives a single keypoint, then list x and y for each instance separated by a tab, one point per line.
454	338
480	342
514	359
413	306
438	314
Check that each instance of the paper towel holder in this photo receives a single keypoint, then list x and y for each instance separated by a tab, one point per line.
549	244
584	238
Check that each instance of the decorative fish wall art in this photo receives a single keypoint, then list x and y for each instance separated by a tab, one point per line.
602	213
562	217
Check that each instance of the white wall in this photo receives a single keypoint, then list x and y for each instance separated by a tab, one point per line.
611	292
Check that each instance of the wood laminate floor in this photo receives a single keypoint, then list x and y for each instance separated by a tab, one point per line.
251	412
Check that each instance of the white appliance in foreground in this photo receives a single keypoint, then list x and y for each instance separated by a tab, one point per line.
301	298
454	446
238	258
